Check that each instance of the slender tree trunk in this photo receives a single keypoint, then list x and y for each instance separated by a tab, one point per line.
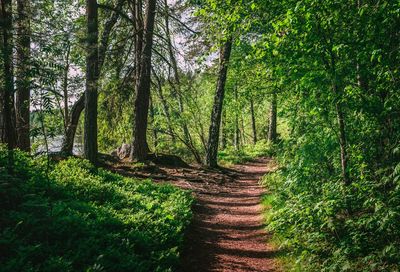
272	134
223	128
90	133
253	121
140	148
76	110
236	134
165	108
176	87
342	137
242	131
343	143
152	116
79	105
22	98
203	137
186	133
340	119
189	145
212	148
65	87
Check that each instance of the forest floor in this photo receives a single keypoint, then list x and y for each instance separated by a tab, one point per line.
227	232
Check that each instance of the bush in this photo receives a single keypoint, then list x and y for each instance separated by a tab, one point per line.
328	226
232	156
78	218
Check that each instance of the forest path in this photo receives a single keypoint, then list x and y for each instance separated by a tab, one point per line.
227	233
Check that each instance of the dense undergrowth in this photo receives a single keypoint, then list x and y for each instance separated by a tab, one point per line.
248	152
70	216
325	225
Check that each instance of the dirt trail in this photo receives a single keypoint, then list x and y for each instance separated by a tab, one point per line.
227	233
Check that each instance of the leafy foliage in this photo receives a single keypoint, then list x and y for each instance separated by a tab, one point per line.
330	226
78	218
231	155
323	57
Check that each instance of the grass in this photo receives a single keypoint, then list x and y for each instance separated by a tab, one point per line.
286	261
231	156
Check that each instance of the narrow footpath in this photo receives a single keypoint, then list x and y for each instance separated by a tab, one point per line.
228	233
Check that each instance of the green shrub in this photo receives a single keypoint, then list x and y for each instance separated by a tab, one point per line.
232	156
77	218
328	226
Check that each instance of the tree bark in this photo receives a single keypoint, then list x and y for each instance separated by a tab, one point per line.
152	115
140	148
272	132
242	131
8	134
2	87
78	107
8	128
340	119
223	128
342	138
65	87
139	27
343	144
92	54
76	110
165	108
253	121
236	134
212	146
22	98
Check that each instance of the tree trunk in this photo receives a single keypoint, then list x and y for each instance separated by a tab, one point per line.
253	121
272	134
22	98
343	143
65	87
236	134
342	138
139	27
242	131
8	130
176	87
165	108
138	42
140	148
223	128
77	108
90	129
341	121
212	148
152	116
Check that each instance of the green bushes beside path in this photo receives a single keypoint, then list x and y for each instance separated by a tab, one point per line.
327	226
73	217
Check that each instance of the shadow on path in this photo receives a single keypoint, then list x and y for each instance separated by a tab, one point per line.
227	233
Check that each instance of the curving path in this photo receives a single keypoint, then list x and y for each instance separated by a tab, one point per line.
227	233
